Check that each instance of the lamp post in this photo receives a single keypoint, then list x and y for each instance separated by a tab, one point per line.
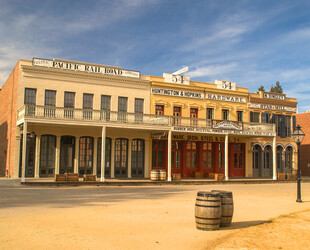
298	136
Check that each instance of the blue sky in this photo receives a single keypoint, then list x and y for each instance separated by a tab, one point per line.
248	42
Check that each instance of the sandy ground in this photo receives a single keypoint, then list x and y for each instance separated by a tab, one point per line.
161	217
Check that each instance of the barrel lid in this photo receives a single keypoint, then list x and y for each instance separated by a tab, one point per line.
207	194
223	193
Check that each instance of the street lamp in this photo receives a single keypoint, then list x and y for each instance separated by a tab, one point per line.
298	136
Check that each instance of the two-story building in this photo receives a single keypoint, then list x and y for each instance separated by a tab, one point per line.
60	116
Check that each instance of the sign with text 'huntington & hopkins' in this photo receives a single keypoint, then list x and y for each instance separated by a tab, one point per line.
84	67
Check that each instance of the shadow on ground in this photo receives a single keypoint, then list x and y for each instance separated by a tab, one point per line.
11	197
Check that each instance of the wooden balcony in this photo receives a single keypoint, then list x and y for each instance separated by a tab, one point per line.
61	115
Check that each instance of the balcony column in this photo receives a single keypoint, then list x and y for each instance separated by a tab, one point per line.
95	156
274	162
24	151
77	153
103	136
169	156
112	158
57	160
226	157
37	160
129	158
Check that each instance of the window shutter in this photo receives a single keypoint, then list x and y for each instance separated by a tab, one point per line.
212	113
251	116
294	123
282	134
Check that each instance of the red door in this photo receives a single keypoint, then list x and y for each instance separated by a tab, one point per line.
236	160
176	147
159	158
191	159
219	151
206	163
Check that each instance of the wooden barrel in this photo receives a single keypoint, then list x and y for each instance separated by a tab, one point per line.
162	175
154	175
227	207
208	211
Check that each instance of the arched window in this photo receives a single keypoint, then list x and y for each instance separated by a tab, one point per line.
288	157
86	155
137	158
47	155
257	151
268	157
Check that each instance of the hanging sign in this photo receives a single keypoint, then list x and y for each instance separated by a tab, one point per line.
179	93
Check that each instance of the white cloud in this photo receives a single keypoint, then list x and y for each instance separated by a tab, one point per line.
212	70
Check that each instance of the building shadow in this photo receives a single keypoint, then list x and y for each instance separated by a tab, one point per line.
3	147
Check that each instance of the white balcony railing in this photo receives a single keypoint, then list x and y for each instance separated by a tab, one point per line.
138	119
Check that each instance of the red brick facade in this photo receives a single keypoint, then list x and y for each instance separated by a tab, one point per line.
304	121
8	109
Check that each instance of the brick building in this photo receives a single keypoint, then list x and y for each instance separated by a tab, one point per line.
303	120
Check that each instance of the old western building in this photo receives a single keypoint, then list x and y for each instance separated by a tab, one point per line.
61	116
303	120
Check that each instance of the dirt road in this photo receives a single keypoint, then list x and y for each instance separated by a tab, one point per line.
150	218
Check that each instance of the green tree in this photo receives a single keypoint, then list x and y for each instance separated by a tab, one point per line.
277	88
261	88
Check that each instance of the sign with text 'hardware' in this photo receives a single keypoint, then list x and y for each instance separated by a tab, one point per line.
84	67
225	98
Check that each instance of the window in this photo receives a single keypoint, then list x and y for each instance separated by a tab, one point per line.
254	117
137	158
106	106
86	155
122	108
177	114
210	116
288	157
287	126
49	103
30	96
121	157
225	114
159	110
69	100
30	101
87	106
240	116
194	116
139	109
210	113
266	117
47	155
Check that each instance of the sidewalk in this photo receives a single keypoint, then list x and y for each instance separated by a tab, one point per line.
144	182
